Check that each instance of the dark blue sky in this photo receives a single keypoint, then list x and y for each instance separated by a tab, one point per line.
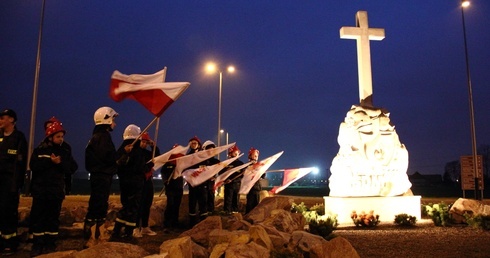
295	78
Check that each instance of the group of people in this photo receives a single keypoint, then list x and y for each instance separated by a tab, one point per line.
52	163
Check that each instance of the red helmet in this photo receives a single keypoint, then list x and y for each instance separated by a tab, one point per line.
54	128
195	139
145	136
50	121
252	150
233	149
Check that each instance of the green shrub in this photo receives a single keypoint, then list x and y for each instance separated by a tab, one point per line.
439	213
479	221
404	219
365	219
298	208
323	226
319	208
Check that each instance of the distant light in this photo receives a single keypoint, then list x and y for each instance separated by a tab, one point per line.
231	69
221	131
465	3
211	67
315	171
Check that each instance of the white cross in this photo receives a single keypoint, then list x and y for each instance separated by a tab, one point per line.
362	34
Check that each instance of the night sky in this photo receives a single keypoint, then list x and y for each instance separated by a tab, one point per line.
295	78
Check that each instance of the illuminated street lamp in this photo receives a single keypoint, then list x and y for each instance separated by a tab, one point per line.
212	68
464	4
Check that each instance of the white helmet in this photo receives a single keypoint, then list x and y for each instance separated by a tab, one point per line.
104	116
131	132
208	143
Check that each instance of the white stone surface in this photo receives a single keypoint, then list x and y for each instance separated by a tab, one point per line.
371	160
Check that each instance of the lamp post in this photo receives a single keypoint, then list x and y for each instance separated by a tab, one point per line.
211	68
464	4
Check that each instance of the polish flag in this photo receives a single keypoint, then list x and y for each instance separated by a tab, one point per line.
220	180
187	161
158	161
200	175
291	176
253	173
150	90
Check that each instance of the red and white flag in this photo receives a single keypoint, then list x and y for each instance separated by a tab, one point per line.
197	157
150	90
220	180
253	173
158	161
291	176
200	175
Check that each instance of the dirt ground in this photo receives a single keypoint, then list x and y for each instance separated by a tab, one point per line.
386	240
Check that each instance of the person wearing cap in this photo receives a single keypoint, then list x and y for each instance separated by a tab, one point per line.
253	196
209	184
147	194
174	190
65	145
232	186
13	165
100	162
131	167
198	194
49	163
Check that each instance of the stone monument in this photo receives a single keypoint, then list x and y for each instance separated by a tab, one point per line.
370	169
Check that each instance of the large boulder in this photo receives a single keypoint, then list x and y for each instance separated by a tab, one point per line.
200	232
177	248
469	206
266	206
111	250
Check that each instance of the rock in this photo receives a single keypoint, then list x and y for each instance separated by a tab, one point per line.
199	251
338	247
472	207
219	250
219	236
177	248
303	241
62	254
260	236
266	206
111	250
283	221
250	250
200	232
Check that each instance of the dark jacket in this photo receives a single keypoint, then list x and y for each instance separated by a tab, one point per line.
132	164
100	153
13	161
47	177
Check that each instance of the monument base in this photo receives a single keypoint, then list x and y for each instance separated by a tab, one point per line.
386	207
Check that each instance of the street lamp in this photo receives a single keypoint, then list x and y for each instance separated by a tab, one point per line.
464	4
212	68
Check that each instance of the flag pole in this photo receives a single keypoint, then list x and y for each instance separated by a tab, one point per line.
146	129
155	140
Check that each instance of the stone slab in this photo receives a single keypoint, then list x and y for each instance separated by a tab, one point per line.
386	207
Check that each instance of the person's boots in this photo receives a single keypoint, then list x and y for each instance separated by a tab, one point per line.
37	246
86	228
49	244
193	220
103	233
116	232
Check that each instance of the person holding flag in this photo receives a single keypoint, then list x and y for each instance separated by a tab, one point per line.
253	196
197	194
232	198
132	165
210	182
147	192
100	162
174	190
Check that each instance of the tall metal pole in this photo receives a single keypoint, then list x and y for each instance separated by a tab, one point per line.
472	111
219	108
34	92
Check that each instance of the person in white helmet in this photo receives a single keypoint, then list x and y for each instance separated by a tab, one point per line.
100	162
131	167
